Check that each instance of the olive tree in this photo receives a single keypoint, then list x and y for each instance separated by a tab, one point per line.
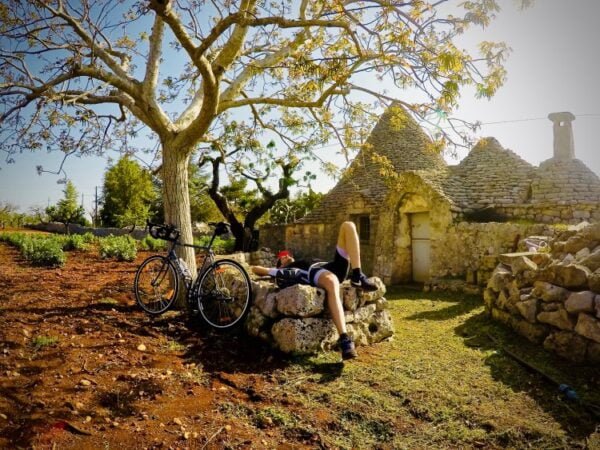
91	74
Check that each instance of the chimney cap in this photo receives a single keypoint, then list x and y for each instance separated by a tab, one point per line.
561	116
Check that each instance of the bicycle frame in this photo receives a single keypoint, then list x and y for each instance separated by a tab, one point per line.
209	259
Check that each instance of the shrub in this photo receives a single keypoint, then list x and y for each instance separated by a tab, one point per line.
122	248
37	250
221	246
151	244
46	252
74	242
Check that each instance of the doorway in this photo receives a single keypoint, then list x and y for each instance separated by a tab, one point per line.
421	246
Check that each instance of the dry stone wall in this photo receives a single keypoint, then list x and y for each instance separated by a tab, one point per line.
296	320
553	298
470	250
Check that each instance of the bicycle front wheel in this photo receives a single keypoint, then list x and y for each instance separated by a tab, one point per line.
156	284
224	295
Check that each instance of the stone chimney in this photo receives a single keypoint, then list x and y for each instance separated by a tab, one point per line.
564	146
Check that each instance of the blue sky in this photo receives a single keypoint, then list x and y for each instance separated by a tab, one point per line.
553	67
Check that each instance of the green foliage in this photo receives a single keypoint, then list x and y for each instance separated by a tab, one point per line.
290	210
151	244
40	342
67	210
45	252
9	216
128	194
121	248
37	250
221	245
73	242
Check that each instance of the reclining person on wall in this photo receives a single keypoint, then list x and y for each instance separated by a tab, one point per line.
327	276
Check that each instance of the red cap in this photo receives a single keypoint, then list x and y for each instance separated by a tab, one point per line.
283	253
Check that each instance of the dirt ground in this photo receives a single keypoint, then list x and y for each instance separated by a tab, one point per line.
82	367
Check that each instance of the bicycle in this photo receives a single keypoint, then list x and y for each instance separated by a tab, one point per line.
221	290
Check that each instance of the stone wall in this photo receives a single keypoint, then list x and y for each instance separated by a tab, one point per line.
471	250
296	320
54	227
553	298
552	212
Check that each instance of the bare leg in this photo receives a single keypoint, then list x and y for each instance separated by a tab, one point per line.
330	283
348	241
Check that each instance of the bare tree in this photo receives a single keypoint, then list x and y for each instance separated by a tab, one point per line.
94	74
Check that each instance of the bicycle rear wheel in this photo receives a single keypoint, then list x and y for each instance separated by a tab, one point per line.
156	284
224	295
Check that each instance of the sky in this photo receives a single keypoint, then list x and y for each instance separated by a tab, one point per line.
553	67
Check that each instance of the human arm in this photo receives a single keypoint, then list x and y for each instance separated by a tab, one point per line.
260	270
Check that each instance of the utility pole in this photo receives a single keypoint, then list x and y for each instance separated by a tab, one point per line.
96	208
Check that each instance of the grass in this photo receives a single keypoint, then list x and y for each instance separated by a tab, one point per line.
108	301
39	342
443	383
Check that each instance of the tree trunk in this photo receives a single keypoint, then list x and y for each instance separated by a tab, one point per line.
177	203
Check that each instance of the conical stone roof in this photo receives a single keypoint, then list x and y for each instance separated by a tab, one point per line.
491	175
396	138
565	182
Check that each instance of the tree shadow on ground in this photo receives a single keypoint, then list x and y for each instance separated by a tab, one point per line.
480	332
460	304
236	352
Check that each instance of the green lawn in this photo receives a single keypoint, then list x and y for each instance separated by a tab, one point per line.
442	383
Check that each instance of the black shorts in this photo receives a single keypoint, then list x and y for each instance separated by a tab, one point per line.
339	267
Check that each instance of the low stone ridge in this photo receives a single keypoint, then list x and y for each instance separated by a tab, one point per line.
554	301
296	319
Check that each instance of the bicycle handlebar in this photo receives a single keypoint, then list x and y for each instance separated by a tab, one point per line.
171	233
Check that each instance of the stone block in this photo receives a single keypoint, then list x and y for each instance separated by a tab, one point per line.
376	328
567	344
267	304
381	304
594	281
300	301
533	332
559	319
502	316
522	264
369	297
528	309
255	322
541	259
592	261
489	298
509	259
500	276
349	297
571	276
549	292
580	302
588	326
593	356
304	336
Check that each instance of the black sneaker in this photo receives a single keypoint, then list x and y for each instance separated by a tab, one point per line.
363	283
347	347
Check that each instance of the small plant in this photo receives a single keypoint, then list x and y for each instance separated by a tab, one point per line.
121	248
221	246
40	342
45	252
174	346
151	244
74	242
